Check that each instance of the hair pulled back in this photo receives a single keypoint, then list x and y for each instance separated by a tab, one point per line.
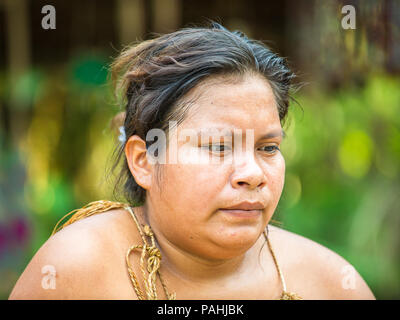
153	76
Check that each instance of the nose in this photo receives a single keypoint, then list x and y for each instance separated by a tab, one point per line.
247	172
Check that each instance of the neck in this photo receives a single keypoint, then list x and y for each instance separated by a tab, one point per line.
195	269
198	269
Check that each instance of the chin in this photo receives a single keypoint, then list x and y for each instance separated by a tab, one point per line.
236	240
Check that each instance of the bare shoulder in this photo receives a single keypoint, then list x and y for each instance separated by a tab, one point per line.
78	262
315	271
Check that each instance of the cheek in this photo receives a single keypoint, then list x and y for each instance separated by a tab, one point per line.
275	175
186	201
190	187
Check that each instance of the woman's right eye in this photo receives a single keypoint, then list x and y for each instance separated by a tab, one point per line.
216	147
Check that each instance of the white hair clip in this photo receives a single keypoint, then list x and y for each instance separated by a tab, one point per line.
122	136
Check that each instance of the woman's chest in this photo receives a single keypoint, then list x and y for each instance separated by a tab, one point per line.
121	284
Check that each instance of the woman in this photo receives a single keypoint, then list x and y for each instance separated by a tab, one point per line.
196	225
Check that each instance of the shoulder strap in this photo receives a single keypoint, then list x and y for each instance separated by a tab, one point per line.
285	294
88	210
153	263
149	249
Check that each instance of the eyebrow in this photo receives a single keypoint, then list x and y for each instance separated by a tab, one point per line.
269	135
274	134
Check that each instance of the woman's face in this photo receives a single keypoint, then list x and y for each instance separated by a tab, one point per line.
187	212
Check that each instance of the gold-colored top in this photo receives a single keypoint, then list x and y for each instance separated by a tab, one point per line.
149	249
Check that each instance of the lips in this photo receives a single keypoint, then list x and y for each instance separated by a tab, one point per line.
246	206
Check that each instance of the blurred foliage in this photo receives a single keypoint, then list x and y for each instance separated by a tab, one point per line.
342	181
58	163
342	153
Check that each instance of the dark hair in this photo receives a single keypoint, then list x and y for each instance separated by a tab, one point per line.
154	76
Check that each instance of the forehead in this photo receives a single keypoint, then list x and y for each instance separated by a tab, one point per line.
247	103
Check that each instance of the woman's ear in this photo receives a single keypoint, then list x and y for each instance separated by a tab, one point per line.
139	165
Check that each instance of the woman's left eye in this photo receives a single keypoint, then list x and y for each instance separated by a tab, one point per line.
218	147
270	149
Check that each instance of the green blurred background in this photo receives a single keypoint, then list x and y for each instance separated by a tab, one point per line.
342	148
